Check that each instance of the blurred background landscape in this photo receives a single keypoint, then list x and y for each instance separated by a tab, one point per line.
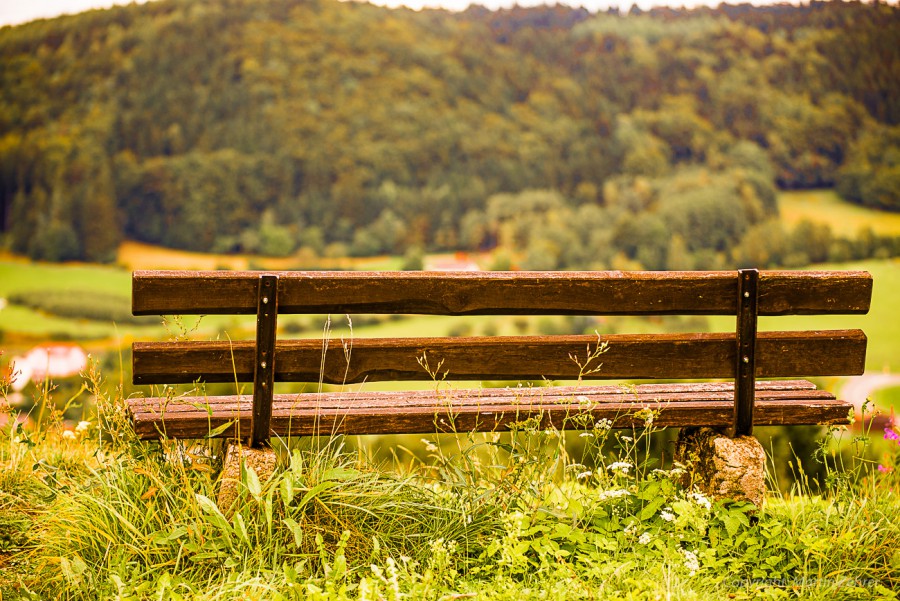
316	134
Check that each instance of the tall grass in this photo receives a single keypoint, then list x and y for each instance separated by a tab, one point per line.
90	512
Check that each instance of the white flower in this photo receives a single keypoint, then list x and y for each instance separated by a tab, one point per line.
627	438
603	424
690	561
82	427
701	499
612	494
429	446
68	435
586	435
619	466
582	475
645	538
667	515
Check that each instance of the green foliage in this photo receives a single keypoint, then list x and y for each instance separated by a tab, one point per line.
871	175
351	125
97	513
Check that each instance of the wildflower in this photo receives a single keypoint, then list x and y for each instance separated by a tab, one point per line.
82	427
701	499
667	514
885	470
619	466
429	446
627	438
585	435
645	538
68	435
690	561
603	424
612	494
889	434
647	414
582	475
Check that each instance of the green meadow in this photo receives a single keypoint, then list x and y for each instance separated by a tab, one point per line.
844	218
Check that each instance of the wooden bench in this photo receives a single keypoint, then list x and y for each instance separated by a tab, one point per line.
739	357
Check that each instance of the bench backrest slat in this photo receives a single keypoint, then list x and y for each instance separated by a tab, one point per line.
501	293
656	356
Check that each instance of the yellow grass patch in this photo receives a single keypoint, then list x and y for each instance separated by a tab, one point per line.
826	206
137	255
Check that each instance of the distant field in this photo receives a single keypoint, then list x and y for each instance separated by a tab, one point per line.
136	255
80	281
826	206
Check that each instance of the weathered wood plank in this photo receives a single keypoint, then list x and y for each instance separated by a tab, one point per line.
153	407
618	392
465	411
501	293
658	356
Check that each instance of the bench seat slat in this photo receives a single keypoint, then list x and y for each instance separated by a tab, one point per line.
658	356
502	293
484	409
200	406
768	389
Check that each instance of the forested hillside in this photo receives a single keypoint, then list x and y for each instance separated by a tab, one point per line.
569	139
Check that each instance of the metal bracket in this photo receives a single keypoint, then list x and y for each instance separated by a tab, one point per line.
745	357
264	370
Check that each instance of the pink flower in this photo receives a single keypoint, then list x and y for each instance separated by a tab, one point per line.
889	434
885	470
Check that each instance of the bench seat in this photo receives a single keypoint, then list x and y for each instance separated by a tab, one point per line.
787	402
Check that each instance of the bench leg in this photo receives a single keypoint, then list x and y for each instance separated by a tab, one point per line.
261	460
723	467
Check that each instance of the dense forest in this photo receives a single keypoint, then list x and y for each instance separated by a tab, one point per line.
562	138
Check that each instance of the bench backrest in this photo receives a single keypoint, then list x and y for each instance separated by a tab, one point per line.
742	355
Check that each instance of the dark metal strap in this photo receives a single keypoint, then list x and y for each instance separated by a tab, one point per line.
264	372
745	368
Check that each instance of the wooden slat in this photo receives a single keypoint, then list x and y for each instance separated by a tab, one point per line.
486	410
658	356
501	293
643	393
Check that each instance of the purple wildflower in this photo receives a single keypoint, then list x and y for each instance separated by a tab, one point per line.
889	434
884	470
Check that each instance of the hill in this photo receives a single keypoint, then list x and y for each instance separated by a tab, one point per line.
264	126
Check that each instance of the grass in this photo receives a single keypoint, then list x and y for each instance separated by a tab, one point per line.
826	206
90	512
